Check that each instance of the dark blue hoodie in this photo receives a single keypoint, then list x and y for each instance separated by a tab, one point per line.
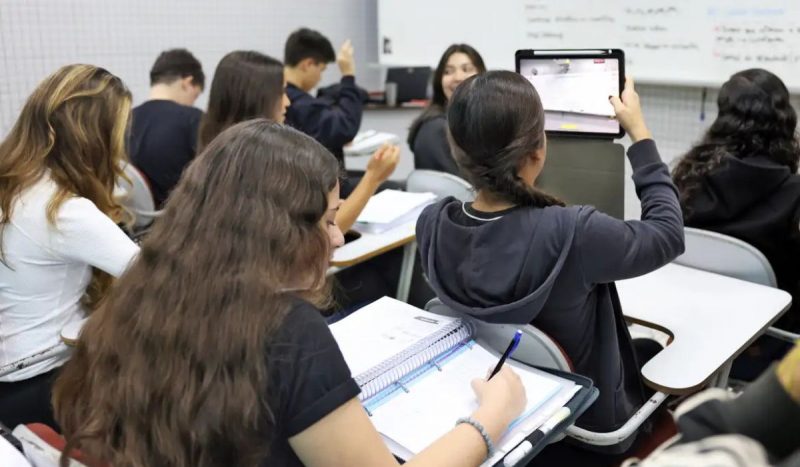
555	267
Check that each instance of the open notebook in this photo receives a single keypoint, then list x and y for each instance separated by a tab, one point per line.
414	369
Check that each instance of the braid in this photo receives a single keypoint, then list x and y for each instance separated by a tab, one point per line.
514	189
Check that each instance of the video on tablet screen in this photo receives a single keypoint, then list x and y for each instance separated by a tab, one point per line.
574	92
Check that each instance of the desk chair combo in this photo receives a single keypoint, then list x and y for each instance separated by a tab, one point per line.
371	245
137	198
729	256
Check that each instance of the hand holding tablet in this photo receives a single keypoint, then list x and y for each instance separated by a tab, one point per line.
574	86
629	112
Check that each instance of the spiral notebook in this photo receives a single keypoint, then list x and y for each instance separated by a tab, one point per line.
414	369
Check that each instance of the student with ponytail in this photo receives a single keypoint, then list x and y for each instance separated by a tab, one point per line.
518	255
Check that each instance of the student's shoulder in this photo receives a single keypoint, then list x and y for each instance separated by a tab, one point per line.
167	109
563	219
80	211
301	311
303	322
431	128
793	184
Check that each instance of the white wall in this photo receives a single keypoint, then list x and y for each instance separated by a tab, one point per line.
37	36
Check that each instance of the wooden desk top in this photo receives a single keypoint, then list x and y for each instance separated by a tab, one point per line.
712	319
371	245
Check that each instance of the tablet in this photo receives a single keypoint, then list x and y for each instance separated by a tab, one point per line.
574	86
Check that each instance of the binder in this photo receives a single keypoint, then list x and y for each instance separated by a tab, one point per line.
414	369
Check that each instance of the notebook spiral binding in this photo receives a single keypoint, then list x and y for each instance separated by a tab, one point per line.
393	369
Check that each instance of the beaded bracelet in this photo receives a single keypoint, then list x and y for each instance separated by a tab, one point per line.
477	425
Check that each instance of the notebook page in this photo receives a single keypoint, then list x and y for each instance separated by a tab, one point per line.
438	398
389	205
382	330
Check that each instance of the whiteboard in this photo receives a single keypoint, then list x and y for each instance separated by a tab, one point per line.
686	42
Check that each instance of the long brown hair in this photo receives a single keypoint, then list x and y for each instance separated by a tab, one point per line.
755	118
73	128
247	84
171	369
496	121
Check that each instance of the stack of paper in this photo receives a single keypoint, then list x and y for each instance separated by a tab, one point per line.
366	142
392	208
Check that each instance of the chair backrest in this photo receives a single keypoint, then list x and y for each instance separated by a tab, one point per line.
43	447
725	255
136	196
9	454
442	184
536	348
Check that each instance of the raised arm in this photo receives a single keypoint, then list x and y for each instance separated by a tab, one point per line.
380	168
612	249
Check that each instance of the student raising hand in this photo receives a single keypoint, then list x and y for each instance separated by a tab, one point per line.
345	60
380	167
383	162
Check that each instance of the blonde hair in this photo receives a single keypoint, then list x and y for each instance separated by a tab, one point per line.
72	128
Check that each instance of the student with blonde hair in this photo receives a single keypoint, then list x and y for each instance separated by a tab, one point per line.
59	241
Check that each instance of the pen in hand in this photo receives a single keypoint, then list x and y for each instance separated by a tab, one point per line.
511	348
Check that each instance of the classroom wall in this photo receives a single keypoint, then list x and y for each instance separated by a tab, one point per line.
38	36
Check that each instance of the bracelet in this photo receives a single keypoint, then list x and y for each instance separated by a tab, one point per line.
477	425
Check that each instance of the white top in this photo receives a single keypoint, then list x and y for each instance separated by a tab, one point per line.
48	269
711	317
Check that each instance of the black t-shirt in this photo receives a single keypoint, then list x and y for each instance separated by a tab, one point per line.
308	378
163	141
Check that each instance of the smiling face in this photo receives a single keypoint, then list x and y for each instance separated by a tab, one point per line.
459	67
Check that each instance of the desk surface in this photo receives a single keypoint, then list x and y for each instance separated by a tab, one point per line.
712	318
371	245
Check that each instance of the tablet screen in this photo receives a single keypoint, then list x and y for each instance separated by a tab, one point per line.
574	92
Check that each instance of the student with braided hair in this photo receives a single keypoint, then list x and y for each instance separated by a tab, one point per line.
518	255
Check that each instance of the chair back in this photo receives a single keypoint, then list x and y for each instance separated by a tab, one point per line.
727	256
442	184
136	197
535	349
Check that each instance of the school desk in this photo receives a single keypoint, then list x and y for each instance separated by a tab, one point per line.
711	318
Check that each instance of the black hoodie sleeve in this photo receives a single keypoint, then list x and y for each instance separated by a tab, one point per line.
764	412
611	249
337	124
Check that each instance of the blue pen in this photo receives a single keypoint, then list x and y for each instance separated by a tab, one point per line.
511	348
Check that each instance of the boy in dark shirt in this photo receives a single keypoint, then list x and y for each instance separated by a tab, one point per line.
333	122
163	137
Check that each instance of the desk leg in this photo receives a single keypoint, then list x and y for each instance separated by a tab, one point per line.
406	271
720	379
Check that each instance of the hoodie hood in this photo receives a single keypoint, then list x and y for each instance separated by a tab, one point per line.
500	270
734	187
